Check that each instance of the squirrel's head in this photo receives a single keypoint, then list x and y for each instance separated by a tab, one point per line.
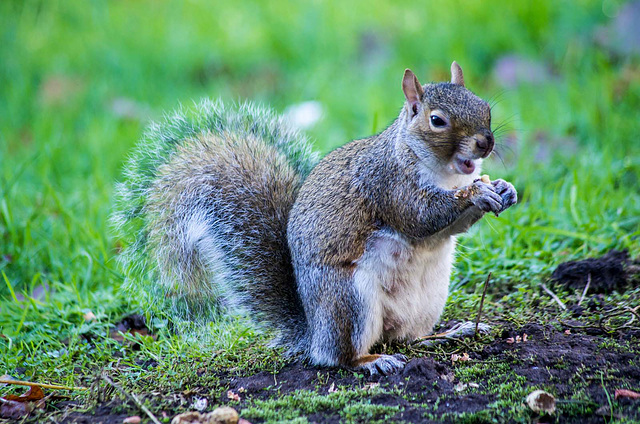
452	123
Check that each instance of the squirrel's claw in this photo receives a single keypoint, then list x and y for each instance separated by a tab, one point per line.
385	364
507	192
486	198
494	197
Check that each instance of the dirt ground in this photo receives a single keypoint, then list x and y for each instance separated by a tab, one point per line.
552	356
582	362
426	381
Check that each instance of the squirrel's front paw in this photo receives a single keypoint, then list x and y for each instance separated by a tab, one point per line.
486	198
507	192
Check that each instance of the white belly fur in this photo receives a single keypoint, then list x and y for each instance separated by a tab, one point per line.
405	286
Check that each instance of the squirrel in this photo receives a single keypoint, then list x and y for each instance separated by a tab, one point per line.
230	209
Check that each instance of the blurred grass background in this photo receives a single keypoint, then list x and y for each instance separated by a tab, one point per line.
79	81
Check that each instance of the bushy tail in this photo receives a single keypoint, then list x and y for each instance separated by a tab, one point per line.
203	212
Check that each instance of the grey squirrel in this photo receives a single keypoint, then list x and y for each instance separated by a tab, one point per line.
229	208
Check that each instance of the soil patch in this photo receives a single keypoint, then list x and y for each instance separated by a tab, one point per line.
581	362
582	371
609	272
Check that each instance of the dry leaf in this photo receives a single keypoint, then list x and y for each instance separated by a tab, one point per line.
13	406
624	393
14	410
34	393
464	357
132	420
233	396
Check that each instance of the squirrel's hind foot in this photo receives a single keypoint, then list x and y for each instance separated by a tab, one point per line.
457	332
381	364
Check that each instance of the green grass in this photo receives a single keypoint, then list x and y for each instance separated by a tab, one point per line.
352	404
68	67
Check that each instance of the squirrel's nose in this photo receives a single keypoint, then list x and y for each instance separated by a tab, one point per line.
485	143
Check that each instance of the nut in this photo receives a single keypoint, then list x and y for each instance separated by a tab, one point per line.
541	401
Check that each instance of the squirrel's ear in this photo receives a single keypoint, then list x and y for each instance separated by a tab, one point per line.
412	91
456	74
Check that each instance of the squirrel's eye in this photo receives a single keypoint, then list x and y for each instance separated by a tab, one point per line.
437	121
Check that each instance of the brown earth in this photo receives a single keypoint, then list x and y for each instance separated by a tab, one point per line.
553	356
582	362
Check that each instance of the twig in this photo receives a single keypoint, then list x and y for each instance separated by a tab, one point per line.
617	312
628	324
444	335
484	293
553	296
603	320
44	386
132	397
634	311
584	293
